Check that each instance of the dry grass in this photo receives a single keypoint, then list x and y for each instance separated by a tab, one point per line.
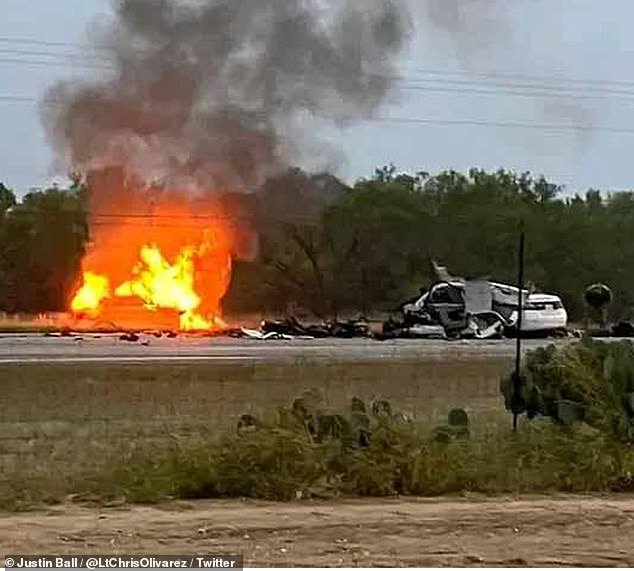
43	323
283	463
64	426
102	400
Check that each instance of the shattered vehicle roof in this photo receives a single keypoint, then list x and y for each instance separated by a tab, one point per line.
512	291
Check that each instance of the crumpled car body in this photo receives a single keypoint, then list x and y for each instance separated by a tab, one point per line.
483	310
445	304
540	311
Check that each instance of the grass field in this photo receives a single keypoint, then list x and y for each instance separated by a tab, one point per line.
214	393
139	433
59	423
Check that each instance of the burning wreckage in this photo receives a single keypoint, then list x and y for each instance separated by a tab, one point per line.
453	308
205	106
165	149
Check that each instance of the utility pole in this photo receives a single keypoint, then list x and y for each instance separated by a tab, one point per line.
517	385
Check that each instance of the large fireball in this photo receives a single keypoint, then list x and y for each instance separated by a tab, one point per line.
160	265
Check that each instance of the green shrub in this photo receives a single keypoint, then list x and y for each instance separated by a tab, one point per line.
588	381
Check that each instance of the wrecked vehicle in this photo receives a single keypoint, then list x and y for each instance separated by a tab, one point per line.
480	309
541	312
451	309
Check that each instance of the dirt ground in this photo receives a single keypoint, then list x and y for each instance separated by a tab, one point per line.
568	531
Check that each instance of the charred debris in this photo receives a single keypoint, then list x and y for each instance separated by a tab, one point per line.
451	309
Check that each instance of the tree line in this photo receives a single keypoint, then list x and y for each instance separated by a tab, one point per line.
331	249
42	240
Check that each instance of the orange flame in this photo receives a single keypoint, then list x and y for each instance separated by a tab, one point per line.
90	295
169	268
157	284
161	285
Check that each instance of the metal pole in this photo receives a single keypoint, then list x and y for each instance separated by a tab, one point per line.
517	386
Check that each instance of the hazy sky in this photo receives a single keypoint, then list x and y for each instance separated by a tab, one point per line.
540	64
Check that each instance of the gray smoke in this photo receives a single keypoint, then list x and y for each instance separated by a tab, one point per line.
477	28
490	35
220	94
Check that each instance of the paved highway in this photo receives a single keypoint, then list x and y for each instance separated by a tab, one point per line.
110	349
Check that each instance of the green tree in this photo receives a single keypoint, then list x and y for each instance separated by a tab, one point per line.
373	242
45	235
7	201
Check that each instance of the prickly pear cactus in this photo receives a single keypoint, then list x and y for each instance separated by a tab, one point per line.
457	427
589	381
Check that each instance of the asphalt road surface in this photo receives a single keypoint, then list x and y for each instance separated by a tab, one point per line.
16	348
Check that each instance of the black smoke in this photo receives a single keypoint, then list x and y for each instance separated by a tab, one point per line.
221	94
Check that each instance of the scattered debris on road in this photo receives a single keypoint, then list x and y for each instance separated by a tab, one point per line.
130	337
291	328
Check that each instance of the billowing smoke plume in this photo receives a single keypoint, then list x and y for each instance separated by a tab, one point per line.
218	94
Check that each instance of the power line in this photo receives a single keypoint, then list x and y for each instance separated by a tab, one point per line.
466	91
498	75
147	221
149	216
514	93
543	87
55	63
47	54
26	41
500	124
441	85
160	225
18	99
556	78
535	92
404	82
438	85
436	121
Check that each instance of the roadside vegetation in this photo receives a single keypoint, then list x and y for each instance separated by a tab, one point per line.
306	450
286	462
589	382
